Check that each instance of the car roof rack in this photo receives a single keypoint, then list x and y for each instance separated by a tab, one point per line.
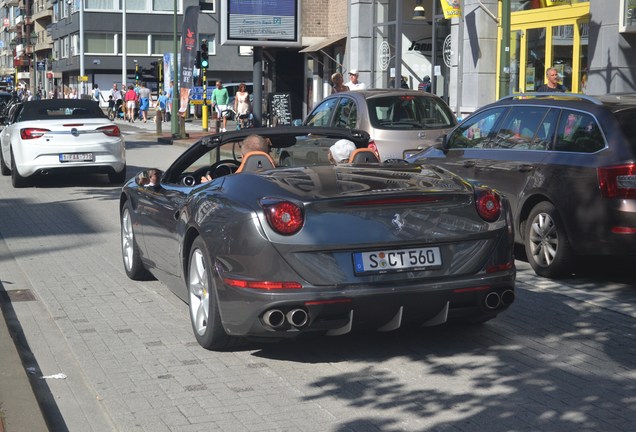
554	96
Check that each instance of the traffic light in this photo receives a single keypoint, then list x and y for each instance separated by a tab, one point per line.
137	77
205	62
197	60
155	70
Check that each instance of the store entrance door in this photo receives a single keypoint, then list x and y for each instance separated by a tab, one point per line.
552	38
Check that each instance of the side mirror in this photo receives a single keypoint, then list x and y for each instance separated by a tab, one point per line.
442	143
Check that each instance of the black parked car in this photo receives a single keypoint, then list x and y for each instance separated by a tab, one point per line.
566	162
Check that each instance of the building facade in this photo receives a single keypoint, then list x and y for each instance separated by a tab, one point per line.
51	44
54	43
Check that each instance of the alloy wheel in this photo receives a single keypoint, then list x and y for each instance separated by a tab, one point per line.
199	290
127	239
544	239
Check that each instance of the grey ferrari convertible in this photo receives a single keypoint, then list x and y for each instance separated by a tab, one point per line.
281	243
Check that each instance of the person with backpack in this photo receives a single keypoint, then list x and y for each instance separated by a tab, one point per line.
97	94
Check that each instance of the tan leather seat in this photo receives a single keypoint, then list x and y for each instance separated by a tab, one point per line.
363	155
256	161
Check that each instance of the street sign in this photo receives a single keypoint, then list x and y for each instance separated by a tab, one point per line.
196	94
83	78
41	65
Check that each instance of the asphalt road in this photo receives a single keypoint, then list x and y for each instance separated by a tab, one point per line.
562	358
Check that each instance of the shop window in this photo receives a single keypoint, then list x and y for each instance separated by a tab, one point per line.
535	55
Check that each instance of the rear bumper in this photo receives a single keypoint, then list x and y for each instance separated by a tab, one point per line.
612	233
107	157
339	310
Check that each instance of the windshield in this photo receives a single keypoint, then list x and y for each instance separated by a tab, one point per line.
409	112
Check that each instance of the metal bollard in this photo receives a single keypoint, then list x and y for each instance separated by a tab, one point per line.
158	121
215	124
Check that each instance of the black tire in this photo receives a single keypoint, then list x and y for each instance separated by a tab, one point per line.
4	169
547	246
202	301
117	177
131	257
16	179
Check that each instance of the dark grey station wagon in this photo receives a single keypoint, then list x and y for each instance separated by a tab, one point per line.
566	162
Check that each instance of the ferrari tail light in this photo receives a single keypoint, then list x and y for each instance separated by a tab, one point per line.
284	217
262	285
617	181
111	130
488	204
32	133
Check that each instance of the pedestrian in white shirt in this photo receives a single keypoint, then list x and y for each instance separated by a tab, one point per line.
353	83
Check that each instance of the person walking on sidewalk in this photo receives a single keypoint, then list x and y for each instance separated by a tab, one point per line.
97	94
338	83
353	83
119	99
220	99
144	101
242	105
160	107
131	103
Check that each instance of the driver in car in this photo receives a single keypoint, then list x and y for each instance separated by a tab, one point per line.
249	144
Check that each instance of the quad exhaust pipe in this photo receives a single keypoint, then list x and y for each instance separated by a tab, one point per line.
507	297
493	299
276	318
297	317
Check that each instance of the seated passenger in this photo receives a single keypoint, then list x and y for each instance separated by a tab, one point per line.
149	178
340	151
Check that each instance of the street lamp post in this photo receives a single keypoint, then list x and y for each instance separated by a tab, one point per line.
174	125
12	45
34	40
81	47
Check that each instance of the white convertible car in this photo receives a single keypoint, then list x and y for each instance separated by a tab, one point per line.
60	135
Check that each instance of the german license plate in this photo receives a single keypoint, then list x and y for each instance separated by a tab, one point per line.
397	260
76	157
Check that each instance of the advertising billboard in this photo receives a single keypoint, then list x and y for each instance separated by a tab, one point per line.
262	23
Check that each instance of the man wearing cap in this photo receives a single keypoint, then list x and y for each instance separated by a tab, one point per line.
425	85
340	151
353	83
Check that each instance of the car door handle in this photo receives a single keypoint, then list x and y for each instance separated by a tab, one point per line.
469	164
525	167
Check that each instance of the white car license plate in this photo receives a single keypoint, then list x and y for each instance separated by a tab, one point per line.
76	157
397	260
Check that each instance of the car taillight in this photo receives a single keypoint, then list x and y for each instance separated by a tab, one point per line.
374	148
111	130
32	133
284	217
617	181
262	285
488	204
